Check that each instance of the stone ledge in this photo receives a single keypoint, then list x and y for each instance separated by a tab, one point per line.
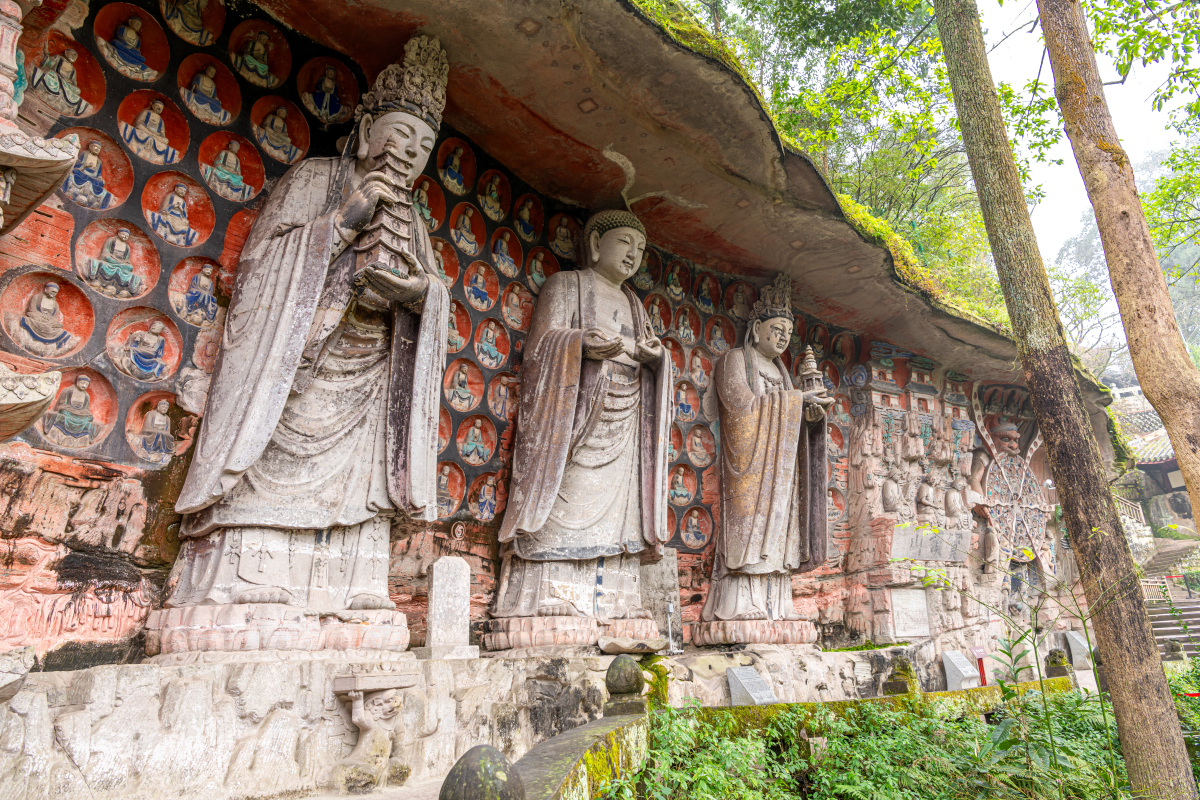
581	762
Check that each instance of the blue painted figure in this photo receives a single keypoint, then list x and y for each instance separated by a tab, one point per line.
112	273
124	51
70	423
85	184
171	220
145	352
147	136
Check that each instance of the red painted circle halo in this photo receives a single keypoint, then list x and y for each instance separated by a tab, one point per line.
103	189
102	262
183	216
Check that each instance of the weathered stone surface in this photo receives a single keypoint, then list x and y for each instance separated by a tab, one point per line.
660	595
623	644
1077	650
747	688
624	676
580	763
960	672
14	666
755	631
483	773
448	619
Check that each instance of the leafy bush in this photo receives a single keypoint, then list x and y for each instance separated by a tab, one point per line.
1058	748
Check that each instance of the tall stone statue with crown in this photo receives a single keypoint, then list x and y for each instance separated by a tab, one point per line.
773	492
321	424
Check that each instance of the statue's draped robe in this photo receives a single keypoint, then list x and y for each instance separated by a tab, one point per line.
773	496
322	419
588	492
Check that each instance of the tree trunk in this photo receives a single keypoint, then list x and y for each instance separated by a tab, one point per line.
1151	739
1165	371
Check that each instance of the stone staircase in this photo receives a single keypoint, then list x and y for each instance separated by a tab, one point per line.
1165	624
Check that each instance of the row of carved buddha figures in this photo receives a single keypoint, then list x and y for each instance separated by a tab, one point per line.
290	498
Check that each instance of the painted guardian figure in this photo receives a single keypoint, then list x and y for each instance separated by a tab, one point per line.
589	486
321	424
773	496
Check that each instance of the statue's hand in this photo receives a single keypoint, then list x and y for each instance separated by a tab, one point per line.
819	397
399	288
648	350
599	347
357	209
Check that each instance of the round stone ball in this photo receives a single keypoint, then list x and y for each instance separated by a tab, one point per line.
483	773
624	676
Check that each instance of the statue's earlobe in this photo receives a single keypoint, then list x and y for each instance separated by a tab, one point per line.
364	137
593	246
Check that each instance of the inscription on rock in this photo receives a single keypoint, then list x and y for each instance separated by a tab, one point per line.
747	688
910	613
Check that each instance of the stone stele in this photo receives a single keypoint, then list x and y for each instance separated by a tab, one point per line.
448	620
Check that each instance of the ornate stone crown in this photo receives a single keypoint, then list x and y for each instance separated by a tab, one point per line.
418	86
774	301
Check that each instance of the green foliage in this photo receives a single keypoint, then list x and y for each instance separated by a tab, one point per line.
867	645
871	751
1173	532
1124	459
1182	684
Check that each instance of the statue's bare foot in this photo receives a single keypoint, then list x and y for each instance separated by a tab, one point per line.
265	594
558	610
371	602
638	613
792	616
750	615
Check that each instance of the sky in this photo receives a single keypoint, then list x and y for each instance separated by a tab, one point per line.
1142	130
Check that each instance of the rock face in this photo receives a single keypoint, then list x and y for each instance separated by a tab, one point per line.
14	666
219	726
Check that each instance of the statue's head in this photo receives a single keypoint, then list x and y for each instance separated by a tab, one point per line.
613	243
83	382
959	484
181	189
50	290
281	112
94	147
262	37
157	106
135	23
771	320
403	110
210	71
381	705
206	270
123	234
330	72
1007	437
163	406
70	55
233	146
156	327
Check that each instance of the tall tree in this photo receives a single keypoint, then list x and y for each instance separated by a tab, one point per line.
1168	377
1149	730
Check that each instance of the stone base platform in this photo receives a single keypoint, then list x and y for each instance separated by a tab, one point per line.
754	631
272	626
510	633
213	725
